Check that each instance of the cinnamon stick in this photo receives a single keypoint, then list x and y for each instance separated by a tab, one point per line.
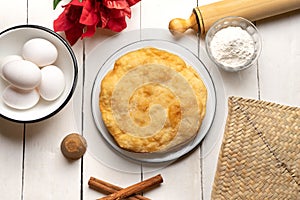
134	189
108	188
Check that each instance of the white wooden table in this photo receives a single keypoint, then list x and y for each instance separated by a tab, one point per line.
31	164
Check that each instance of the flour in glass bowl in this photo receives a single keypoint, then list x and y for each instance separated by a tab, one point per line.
232	46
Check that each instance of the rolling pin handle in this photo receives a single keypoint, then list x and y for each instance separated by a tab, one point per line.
179	25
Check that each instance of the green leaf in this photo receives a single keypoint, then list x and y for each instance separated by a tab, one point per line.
55	3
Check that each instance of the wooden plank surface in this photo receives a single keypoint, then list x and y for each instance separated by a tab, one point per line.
279	63
32	165
47	174
11	134
109	167
186	171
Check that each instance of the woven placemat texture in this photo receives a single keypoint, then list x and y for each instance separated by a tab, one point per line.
260	152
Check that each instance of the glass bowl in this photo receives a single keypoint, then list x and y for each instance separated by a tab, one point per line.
233	43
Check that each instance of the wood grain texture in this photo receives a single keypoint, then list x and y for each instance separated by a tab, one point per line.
279	69
11	156
11	134
92	165
46	174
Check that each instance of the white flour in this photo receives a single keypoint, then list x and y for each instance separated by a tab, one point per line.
232	46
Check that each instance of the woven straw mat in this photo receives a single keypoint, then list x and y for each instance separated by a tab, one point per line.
260	153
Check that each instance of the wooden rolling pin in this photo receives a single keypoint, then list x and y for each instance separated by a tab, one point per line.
204	16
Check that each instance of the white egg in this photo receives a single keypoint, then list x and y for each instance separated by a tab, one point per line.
52	84
20	99
39	51
7	59
22	74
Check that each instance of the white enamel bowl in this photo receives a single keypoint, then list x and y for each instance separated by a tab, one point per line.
11	42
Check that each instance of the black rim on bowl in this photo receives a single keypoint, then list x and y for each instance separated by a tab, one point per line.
75	68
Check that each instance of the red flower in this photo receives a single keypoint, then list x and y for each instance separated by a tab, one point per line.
80	19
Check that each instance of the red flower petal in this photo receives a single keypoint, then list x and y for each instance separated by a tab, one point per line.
116	4
89	15
132	2
74	34
115	13
62	23
88	18
117	24
104	18
66	19
90	31
76	3
73	13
